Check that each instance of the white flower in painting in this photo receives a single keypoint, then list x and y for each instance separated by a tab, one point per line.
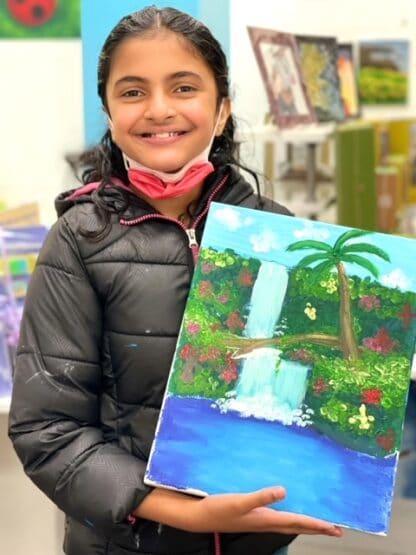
231	218
397	278
310	231
265	241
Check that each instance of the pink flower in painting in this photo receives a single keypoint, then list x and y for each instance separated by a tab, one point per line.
320	386
302	355
205	288
381	342
371	396
207	268
186	352
369	302
224	298
193	328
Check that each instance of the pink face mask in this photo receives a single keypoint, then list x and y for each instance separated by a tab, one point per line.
162	185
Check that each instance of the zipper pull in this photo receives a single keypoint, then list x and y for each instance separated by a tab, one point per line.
193	244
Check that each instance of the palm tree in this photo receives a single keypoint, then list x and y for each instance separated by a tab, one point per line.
329	257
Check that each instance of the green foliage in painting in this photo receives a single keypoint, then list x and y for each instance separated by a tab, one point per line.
382	86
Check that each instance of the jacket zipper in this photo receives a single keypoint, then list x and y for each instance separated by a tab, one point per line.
191	231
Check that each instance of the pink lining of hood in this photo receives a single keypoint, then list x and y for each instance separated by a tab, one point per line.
90	187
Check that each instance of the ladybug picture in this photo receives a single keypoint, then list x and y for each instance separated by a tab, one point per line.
32	13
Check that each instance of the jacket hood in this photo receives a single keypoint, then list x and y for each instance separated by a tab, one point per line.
235	190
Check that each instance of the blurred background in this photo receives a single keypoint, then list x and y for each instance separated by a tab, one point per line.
326	112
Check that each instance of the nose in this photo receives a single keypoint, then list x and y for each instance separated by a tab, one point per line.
159	107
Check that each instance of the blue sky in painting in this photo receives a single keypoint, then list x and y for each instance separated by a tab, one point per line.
265	236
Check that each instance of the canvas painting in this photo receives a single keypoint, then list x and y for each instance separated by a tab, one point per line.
34	19
292	367
277	56
348	80
19	248
318	59
384	71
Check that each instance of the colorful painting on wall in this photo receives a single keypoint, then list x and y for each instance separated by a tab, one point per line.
293	360
38	19
348	80
19	248
277	55
318	60
384	71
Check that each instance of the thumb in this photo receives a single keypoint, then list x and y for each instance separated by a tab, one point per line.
262	497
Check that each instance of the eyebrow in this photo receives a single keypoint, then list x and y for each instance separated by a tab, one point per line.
172	77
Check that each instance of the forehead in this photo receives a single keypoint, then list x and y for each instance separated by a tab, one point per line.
156	55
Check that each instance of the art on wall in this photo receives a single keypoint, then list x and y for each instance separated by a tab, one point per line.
348	80
318	60
384	71
293	360
19	247
277	56
33	19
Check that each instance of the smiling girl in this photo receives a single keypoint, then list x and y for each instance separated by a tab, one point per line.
106	301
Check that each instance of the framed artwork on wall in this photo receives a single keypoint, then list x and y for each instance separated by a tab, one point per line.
318	59
383	76
348	80
277	56
40	19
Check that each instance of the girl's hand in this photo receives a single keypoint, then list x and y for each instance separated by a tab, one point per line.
242	512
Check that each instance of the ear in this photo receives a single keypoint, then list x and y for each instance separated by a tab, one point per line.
225	114
107	115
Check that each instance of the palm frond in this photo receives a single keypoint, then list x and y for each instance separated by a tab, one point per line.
351	234
309	244
311	258
361	261
365	248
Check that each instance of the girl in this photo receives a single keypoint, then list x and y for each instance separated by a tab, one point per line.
106	300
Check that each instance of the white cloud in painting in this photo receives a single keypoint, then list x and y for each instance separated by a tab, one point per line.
231	218
311	232
397	278
265	241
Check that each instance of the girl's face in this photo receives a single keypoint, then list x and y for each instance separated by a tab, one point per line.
162	101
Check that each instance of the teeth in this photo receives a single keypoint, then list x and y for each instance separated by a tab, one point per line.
162	135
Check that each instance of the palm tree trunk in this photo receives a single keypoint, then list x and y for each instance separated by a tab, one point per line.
348	340
245	345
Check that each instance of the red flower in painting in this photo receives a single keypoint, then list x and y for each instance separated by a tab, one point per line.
245	278
234	321
381	342
205	288
371	396
387	440
229	376
302	355
320	386
186	352
212	354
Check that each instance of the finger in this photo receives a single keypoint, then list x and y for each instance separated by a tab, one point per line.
261	498
307	525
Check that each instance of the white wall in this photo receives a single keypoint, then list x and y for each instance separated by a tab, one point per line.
41	118
348	21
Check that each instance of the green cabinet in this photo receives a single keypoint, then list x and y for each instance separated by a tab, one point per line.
355	175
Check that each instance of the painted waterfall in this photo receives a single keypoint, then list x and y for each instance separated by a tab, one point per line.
292	367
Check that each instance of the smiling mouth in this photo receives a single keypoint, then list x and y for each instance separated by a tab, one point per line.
165	135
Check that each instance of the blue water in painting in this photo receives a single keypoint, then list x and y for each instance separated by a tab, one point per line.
198	447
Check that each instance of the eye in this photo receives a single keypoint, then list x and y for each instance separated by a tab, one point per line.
185	89
132	93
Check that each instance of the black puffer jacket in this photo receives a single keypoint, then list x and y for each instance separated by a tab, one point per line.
98	334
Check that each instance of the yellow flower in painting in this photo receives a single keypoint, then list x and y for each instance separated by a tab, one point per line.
363	420
310	311
330	285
